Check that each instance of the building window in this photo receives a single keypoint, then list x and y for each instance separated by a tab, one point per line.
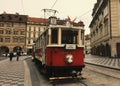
96	30
29	28
1	25
8	31
22	40
7	39
28	41
101	30
29	35
9	24
15	25
22	25
100	27
39	29
106	26
1	31
34	35
105	11
22	33
9	17
38	34
34	29
15	39
15	32
93	33
1	39
2	17
20	19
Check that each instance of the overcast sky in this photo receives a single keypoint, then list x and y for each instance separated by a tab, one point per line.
80	9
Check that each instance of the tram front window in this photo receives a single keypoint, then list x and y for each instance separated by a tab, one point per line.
54	36
69	37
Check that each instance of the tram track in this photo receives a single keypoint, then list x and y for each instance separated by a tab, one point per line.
94	69
65	82
90	76
105	74
102	66
83	83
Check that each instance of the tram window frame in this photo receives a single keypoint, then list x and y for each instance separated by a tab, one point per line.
72	35
47	37
54	36
82	36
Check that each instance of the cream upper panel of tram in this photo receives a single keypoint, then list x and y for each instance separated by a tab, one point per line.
64	26
61	45
79	44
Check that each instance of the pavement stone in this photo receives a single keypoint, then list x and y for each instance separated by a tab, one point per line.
12	73
103	61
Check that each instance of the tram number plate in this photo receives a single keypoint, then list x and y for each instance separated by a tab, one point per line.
70	46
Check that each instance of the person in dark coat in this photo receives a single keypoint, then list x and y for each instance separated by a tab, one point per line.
18	54
11	56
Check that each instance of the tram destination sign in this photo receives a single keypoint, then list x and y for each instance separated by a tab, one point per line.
70	46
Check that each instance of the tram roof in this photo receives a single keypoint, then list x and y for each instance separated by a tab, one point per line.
63	22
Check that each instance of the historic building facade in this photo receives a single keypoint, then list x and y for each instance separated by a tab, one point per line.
105	28
87	44
35	26
12	32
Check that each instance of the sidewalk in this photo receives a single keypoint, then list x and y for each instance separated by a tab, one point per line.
14	73
2	58
103	61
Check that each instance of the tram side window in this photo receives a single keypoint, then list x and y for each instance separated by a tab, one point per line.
69	37
82	37
54	36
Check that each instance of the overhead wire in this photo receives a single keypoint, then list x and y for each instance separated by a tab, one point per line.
77	17
22	6
86	13
54	4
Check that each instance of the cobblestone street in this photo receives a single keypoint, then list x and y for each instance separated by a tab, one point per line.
12	73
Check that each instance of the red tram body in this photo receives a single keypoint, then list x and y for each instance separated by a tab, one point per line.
59	50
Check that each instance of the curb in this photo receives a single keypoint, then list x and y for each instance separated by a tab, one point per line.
27	81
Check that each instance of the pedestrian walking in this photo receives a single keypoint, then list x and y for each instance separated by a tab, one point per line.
18	54
11	56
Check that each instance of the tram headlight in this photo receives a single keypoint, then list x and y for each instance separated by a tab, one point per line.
69	58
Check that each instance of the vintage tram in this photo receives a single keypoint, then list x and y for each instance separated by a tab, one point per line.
59	50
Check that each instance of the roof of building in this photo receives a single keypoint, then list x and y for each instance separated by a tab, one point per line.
5	17
37	20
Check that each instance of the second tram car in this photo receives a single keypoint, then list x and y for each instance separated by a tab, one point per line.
59	50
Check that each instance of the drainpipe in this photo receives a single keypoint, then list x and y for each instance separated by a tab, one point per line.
110	19
110	24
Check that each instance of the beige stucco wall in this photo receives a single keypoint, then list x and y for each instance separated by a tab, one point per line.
113	37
